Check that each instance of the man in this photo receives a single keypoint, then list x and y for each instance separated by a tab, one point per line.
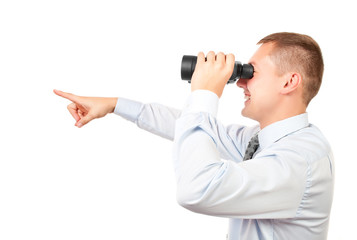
274	180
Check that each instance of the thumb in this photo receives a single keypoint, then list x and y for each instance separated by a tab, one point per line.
84	120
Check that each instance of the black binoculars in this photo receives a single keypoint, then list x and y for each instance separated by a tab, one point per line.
188	65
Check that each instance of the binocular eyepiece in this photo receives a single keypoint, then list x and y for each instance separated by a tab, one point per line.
188	65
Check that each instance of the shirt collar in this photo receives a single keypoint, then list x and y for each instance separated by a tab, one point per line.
280	129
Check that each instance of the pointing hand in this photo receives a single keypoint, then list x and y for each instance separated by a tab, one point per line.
85	109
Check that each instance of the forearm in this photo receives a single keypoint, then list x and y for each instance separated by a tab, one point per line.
155	118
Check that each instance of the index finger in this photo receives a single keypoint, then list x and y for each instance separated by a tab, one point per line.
66	95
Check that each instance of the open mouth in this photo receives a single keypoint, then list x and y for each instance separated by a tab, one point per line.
246	96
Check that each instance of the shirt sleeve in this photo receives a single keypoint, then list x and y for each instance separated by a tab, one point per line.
202	101
161	120
155	118
263	188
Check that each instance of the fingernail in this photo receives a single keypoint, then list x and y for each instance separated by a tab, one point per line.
79	125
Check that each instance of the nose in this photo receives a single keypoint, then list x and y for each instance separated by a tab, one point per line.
242	82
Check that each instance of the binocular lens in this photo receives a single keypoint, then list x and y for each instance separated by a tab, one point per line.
188	65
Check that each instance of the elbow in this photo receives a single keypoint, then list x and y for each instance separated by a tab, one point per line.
183	198
198	192
191	200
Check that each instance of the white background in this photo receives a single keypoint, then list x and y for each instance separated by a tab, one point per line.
109	179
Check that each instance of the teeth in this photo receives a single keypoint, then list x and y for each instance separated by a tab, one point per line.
246	97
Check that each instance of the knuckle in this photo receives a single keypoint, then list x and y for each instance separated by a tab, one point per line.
231	57
211	53
219	65
91	116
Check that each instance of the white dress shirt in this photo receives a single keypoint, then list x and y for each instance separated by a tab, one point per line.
285	192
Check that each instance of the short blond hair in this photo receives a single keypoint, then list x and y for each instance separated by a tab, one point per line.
301	53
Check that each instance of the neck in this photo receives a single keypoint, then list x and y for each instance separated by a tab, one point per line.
281	113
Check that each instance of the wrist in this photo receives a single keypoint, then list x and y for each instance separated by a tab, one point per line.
217	91
112	102
202	100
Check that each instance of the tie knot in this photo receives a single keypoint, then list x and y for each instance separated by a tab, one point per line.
251	148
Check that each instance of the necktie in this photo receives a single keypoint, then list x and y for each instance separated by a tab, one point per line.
252	147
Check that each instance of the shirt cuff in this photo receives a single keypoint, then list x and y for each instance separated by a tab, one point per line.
202	101
128	109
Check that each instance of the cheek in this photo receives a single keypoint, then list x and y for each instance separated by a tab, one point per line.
263	91
258	88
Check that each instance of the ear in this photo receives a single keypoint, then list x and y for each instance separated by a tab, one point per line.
292	82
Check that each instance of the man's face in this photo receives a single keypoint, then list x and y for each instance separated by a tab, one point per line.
262	91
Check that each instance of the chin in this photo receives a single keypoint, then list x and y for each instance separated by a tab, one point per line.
247	114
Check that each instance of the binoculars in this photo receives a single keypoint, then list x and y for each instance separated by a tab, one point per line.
188	65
